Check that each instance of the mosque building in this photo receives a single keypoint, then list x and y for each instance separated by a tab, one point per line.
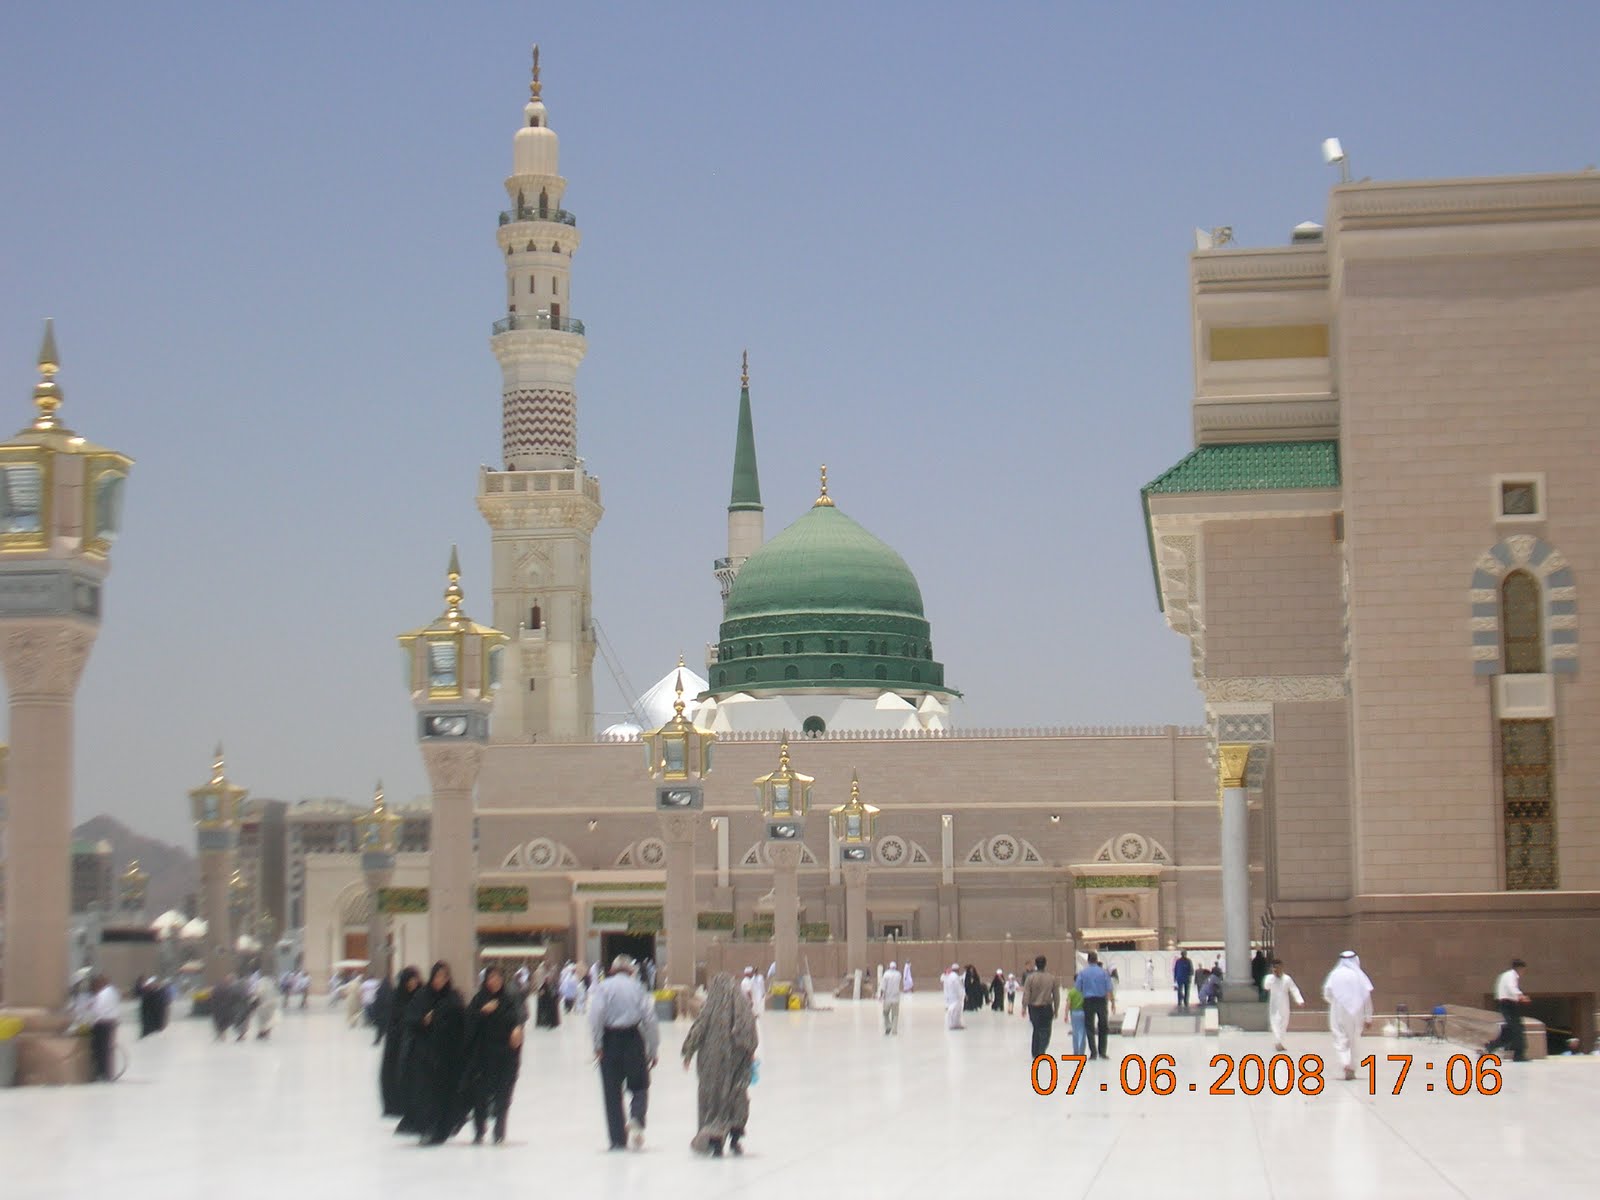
992	843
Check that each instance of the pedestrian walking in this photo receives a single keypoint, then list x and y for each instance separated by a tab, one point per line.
1041	997
622	1024
1095	985
1348	992
724	1038
1509	998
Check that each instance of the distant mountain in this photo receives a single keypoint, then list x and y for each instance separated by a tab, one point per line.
174	873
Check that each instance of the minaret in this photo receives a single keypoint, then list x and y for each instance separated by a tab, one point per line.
543	506
746	522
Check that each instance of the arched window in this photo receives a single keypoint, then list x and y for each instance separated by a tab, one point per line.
872	646
791	672
836	671
1521	629
828	645
880	672
916	674
786	648
844	647
544	203
814	727
749	674
722	678
535	617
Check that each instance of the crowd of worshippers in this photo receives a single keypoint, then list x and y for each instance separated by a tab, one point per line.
447	1061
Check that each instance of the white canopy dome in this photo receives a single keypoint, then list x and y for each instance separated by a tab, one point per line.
194	930
246	944
655	706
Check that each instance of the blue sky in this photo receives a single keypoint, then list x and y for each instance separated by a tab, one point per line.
953	237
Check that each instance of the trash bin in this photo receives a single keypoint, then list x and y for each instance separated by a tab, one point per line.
10	1027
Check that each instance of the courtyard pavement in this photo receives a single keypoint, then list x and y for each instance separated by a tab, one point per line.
838	1106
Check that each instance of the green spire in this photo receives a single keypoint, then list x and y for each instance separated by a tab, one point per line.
746	478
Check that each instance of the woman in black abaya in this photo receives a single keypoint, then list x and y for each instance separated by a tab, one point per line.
393	1074
494	1052
974	989
436	1020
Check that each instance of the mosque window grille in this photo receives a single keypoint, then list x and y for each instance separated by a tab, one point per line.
836	671
786	649
749	674
791	672
814	727
1527	769
880	672
1522	632
916	674
722	678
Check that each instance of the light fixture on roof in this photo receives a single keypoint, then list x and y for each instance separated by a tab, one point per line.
1333	152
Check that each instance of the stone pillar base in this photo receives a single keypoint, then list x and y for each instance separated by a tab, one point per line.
1241	1006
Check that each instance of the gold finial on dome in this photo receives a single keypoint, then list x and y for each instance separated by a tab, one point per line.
453	594
535	86
855	787
783	756
378	803
824	501
744	369
218	766
47	393
677	705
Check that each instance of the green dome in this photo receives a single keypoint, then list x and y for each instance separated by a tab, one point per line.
825	605
824	562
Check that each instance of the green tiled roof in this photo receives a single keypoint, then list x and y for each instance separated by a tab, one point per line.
1252	467
1241	467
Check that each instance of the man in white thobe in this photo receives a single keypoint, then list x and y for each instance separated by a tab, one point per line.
954	996
1280	991
1348	992
889	995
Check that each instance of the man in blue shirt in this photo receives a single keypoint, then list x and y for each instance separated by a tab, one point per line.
1095	985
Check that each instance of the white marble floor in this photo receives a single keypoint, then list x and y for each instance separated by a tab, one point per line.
838	1104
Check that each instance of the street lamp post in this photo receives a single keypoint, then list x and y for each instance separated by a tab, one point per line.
215	807
378	832
784	796
678	757
452	668
853	827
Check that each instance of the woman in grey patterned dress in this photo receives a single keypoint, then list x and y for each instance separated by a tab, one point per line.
724	1036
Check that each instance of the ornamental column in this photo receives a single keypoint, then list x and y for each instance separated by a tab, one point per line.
377	832
1241	1004
453	667
215	807
785	796
678	757
60	506
853	826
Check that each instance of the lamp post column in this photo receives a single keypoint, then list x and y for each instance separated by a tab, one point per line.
453	666
215	807
855	915
785	858
63	498
679	831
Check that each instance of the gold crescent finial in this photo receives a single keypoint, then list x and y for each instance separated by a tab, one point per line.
535	87
218	766
824	501
744	369
377	797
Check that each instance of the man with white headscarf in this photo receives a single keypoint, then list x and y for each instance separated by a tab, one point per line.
889	994
955	996
1348	992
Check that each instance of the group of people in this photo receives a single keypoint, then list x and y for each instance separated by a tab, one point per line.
237	999
446	1060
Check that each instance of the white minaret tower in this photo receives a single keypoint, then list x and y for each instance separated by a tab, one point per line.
543	507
